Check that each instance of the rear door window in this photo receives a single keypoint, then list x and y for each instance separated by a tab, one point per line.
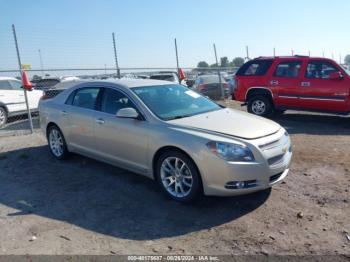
288	69
320	69
255	68
86	97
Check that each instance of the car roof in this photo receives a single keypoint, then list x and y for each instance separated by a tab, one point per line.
8	78
291	57
127	83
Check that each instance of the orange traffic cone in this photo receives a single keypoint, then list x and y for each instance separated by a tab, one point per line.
182	75
26	83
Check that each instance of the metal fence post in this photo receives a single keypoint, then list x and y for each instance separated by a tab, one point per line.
20	72
115	56
177	57
217	64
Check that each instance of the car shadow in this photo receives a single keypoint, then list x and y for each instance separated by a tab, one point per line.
313	124
107	200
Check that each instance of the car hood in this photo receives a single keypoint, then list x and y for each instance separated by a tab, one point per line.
230	122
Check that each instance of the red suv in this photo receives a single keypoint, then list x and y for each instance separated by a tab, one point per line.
270	85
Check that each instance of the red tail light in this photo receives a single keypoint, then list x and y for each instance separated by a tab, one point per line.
226	85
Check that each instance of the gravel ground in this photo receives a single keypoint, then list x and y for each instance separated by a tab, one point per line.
82	206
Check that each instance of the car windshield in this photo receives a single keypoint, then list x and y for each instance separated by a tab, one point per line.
346	69
174	101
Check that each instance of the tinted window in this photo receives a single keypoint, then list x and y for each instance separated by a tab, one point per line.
46	83
163	77
16	85
288	69
113	101
320	69
86	98
5	85
255	68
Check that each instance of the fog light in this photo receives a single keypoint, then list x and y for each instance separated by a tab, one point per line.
240	184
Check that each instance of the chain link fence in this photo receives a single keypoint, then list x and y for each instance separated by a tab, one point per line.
52	61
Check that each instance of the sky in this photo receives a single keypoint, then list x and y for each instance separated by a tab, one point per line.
78	33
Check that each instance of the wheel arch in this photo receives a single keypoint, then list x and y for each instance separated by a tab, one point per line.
4	106
258	91
163	149
50	124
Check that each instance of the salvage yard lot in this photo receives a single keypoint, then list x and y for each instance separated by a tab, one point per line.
82	206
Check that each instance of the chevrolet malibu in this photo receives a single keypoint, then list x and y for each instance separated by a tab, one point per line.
188	144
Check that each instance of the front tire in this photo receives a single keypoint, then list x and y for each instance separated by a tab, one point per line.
3	117
57	143
260	105
177	176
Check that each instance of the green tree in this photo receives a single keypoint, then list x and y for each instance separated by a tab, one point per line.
238	62
203	64
214	65
347	60
224	61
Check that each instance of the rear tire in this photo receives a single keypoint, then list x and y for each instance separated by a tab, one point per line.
57	143
177	176
3	117
260	105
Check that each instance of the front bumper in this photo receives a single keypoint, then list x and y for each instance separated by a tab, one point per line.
221	178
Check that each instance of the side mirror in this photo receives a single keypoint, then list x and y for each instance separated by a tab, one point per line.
128	112
336	76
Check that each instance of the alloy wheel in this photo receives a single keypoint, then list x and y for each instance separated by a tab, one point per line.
258	107
176	177
56	143
2	117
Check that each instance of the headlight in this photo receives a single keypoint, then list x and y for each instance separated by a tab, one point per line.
231	152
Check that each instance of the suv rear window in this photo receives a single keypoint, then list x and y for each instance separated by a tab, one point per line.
255	68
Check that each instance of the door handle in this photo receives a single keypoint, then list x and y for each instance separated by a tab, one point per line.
305	84
274	82
64	113
100	121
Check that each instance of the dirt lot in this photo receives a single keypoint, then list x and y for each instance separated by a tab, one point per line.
83	206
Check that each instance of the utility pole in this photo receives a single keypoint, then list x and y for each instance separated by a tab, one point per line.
340	59
274	52
309	53
323	53
177	57
219	75
20	73
115	56
247	52
292	52
41	63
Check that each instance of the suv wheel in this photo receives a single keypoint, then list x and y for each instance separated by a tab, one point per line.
57	143
3	116
260	105
177	176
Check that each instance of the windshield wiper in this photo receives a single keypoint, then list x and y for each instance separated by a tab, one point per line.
177	117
